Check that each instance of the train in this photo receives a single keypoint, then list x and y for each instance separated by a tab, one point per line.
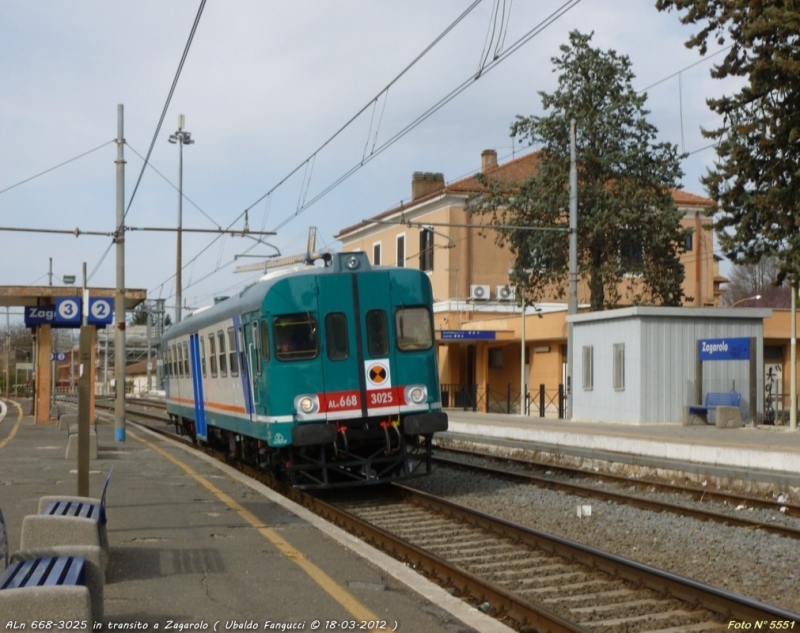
325	373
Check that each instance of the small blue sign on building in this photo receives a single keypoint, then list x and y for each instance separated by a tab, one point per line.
471	335
724	348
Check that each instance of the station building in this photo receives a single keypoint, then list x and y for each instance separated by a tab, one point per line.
478	320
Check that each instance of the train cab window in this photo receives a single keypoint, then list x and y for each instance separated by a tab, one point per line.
203	356
336	336
264	339
233	360
212	354
377	333
186	371
223	363
413	329
295	337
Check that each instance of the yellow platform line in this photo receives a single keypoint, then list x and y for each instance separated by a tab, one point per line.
328	584
13	432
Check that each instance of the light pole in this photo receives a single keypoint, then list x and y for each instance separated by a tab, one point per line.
754	298
181	137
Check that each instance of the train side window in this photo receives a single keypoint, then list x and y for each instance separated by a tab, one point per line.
256	348
186	371
412	327
377	333
223	363
168	361
203	356
336	336
241	352
264	339
295	336
234	361
179	359
212	354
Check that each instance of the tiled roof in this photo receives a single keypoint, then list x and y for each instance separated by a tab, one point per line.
516	170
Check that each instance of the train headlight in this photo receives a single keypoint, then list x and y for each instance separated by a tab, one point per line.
416	394
306	404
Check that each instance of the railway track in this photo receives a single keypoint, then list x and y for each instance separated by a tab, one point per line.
525	577
449	457
536	579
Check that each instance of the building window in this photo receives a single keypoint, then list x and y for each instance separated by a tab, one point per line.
688	242
426	250
588	367
496	358
401	251
376	254
619	366
631	252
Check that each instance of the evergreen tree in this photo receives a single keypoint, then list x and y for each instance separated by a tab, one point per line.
755	181
628	227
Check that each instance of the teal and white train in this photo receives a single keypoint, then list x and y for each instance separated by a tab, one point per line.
324	374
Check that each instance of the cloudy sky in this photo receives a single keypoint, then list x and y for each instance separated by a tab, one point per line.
265	87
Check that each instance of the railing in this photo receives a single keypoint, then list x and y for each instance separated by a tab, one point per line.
496	399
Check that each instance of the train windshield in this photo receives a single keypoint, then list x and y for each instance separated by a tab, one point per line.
295	336
413	327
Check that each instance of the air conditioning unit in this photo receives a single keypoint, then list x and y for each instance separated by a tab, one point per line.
479	292
506	293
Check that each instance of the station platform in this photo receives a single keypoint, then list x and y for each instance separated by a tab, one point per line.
768	455
195	545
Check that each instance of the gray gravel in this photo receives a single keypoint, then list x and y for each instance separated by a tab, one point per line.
750	562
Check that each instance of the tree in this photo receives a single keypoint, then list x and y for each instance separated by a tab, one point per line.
755	181
629	230
749	280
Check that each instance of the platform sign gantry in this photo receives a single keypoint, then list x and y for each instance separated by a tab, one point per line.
48	307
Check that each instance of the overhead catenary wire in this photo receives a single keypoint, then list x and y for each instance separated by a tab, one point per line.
547	21
167	103
66	162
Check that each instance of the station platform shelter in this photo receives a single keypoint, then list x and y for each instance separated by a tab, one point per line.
44	319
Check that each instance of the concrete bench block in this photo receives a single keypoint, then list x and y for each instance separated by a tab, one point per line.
67	419
51	604
40	530
693	419
729	417
95	574
72	445
102	527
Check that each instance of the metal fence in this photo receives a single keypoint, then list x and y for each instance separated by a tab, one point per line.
504	399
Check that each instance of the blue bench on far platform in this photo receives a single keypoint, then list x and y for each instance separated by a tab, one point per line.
713	400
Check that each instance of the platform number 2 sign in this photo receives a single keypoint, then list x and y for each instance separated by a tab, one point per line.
100	311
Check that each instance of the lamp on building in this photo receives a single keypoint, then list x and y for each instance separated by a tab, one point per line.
754	298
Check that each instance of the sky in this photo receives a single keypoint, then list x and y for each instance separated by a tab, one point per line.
292	122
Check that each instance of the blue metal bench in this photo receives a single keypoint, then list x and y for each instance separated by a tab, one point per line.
81	507
39	587
713	400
